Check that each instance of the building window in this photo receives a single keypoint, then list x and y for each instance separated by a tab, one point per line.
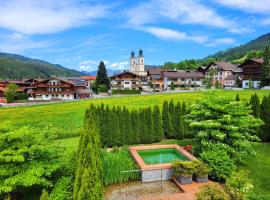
126	83
47	96
62	96
68	95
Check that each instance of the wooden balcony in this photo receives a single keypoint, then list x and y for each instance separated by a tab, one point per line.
53	86
54	92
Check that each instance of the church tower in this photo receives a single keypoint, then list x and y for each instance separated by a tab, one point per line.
140	65
132	62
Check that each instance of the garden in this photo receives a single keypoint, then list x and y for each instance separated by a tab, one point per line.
226	134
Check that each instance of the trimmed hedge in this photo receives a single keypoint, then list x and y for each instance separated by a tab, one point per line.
126	92
21	96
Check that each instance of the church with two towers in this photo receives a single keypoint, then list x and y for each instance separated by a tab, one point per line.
136	64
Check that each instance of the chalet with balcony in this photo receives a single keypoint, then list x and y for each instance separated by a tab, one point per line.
182	79
125	81
252	70
55	88
224	70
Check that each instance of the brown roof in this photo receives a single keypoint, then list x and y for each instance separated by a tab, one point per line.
226	66
125	72
183	74
258	60
155	70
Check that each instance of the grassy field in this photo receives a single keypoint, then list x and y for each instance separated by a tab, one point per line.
259	166
68	117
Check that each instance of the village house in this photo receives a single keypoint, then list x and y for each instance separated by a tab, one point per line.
56	88
224	70
231	81
155	77
252	69
125	81
183	79
89	80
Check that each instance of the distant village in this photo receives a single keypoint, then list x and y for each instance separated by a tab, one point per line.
142	78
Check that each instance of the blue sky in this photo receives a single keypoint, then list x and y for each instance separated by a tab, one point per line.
78	34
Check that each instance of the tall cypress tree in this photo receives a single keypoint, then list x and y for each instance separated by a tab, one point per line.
255	105
135	132
184	109
126	126
176	124
102	77
142	125
265	75
115	128
265	116
237	98
88	178
157	124
166	119
149	125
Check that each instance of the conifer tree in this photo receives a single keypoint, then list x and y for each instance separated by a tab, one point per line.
102	77
134	120
178	123
157	124
255	105
126	126
149	125
142	125
265	76
166	119
184	108
237	98
115	128
88	178
265	116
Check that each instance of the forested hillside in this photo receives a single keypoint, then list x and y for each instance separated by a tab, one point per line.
14	66
236	55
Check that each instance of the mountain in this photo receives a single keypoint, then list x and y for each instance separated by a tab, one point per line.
237	52
110	72
13	66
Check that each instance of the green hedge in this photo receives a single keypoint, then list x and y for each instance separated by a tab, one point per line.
126	92
21	96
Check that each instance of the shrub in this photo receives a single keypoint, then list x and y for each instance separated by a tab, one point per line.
212	192
200	169
102	88
62	189
183	168
126	92
239	185
219	162
114	163
21	96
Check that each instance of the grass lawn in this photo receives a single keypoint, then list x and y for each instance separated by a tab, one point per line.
68	117
259	166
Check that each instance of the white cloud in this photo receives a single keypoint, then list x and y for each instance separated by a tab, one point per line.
90	65
119	65
254	6
183	11
170	34
220	41
47	16
174	35
19	43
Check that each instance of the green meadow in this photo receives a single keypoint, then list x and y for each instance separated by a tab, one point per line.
67	117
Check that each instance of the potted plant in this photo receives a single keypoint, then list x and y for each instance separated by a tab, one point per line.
201	171
183	171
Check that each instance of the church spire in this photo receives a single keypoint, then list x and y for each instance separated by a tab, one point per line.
140	53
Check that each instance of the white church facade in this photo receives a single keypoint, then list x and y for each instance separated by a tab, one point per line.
136	64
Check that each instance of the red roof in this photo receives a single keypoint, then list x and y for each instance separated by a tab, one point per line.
90	78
